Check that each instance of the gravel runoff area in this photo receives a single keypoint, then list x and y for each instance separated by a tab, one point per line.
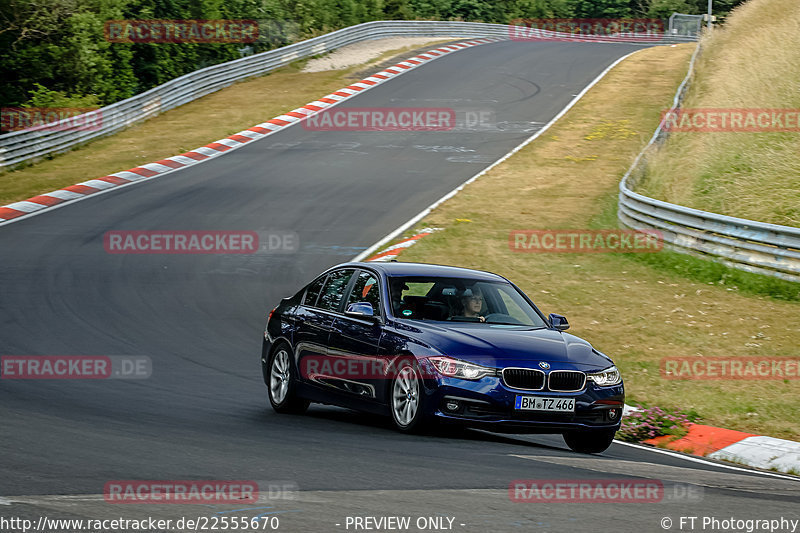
358	53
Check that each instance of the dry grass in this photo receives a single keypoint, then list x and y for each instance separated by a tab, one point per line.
627	309
754	62
187	127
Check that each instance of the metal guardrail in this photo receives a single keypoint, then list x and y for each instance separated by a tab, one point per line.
748	245
25	146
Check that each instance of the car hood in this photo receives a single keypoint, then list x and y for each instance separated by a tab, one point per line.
500	346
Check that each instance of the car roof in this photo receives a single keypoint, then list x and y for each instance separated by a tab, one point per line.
425	269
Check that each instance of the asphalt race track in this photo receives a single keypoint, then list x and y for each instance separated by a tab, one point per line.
203	414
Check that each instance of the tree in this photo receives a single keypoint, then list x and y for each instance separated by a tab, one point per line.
397	10
602	8
664	8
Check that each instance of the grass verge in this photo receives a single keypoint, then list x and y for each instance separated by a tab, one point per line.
704	270
747	64
205	120
638	310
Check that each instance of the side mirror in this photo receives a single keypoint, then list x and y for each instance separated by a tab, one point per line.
558	322
360	310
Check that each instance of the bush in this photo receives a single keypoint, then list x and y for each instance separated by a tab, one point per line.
654	422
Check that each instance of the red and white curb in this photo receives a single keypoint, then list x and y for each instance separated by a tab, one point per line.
73	193
764	452
391	253
758	451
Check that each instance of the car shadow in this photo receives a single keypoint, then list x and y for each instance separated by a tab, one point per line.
445	432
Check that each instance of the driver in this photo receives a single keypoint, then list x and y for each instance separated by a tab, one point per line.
472	302
396	288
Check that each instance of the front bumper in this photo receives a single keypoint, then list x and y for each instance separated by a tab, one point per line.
489	404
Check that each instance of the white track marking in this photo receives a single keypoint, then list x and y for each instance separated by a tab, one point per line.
136	178
705	461
391	236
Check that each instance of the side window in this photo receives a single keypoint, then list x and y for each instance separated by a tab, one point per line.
366	290
313	291
333	291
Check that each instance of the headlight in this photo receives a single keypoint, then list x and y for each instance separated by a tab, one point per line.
453	368
604	378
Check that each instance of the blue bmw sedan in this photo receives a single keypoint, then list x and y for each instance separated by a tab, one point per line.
430	344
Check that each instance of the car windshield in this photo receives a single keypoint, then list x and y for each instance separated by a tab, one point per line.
461	300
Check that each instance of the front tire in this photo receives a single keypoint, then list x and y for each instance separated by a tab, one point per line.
406	399
281	383
590	441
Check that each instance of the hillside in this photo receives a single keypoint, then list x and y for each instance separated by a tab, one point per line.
752	64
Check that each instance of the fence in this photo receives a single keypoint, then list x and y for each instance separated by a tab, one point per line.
686	25
25	146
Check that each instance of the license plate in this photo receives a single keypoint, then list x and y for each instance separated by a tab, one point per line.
540	403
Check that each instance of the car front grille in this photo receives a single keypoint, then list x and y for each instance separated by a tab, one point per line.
566	380
523	378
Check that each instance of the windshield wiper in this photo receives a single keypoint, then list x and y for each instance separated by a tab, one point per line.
514	324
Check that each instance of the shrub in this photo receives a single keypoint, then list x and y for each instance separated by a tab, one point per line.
652	422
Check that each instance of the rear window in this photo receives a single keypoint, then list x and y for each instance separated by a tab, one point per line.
333	290
312	293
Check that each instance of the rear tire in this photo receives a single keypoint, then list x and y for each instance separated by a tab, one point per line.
406	399
281	382
589	441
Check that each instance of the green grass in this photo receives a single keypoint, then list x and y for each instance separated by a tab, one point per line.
749	63
703	270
